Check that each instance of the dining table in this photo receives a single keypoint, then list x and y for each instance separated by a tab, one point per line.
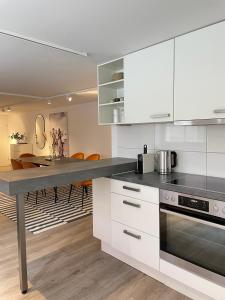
48	161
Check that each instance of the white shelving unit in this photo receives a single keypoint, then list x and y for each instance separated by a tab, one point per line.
108	90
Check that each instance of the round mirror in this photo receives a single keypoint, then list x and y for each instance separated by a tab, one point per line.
40	131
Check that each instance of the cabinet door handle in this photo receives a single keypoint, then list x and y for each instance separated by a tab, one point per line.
136	236
131	204
131	188
159	116
219	111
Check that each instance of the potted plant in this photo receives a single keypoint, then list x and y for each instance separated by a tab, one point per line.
17	137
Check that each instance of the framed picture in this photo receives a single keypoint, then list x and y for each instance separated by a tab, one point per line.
59	134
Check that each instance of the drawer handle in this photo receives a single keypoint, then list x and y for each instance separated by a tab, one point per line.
131	204
136	236
219	111
158	116
131	189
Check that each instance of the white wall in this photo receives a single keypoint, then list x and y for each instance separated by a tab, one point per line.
84	133
200	149
4	149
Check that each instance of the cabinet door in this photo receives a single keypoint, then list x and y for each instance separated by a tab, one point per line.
136	244
135	213
102	209
148	85
200	74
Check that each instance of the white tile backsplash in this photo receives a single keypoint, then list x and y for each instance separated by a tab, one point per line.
183	138
135	136
128	152
216	164
216	138
191	162
200	149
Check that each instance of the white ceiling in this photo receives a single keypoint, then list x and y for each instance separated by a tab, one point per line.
31	69
104	29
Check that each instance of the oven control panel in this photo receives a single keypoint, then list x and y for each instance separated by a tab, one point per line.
202	205
208	206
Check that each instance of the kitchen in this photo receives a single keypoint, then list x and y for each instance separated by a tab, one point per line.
184	226
158	201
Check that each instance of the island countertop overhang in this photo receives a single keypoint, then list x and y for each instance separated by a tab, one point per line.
28	180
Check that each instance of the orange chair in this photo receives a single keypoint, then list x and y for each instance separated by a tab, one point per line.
16	165
84	184
28	165
27	155
78	155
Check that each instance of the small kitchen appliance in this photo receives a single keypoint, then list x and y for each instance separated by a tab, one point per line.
165	161
145	162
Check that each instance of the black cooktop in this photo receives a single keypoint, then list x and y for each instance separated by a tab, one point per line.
213	184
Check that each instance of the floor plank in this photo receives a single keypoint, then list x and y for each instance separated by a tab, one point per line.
66	263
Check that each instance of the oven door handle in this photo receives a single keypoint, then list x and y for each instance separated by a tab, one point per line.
169	212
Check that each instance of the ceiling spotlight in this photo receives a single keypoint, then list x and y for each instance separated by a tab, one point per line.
49	102
8	108
69	98
3	109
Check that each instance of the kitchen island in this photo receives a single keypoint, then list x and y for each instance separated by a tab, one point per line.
22	181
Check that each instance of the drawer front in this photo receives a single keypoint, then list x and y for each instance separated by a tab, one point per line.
142	192
136	244
135	213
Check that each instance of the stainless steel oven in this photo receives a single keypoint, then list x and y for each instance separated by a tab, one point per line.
192	234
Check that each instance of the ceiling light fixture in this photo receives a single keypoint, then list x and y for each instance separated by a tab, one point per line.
49	102
69	98
8	108
3	109
43	43
87	92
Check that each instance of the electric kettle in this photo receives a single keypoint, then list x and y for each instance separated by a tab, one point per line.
165	161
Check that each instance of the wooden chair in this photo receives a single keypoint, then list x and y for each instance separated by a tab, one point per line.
27	155
84	184
16	165
78	155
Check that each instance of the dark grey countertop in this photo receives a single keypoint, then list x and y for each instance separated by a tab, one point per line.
197	185
26	180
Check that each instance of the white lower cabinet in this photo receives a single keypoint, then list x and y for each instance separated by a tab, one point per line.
212	290
129	225
138	191
102	209
136	244
135	213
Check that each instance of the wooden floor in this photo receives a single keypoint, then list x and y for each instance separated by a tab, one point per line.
66	263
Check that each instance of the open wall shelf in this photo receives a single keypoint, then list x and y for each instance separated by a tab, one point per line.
110	111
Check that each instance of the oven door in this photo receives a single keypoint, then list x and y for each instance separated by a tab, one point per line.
194	241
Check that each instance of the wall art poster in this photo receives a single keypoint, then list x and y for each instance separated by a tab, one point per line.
59	134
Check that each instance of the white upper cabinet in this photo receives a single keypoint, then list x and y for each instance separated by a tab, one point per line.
200	74
148	85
